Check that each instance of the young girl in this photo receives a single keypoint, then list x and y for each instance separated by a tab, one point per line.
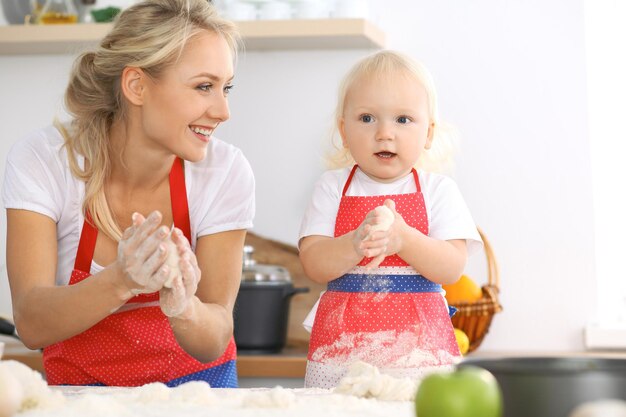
384	303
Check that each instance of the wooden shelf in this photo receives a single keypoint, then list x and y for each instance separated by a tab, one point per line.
257	35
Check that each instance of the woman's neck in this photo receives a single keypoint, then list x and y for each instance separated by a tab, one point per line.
135	162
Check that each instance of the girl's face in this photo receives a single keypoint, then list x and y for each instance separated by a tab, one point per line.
183	107
386	125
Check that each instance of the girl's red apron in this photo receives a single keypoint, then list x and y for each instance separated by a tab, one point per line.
390	316
135	345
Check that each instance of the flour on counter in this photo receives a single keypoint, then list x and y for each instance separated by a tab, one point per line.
277	397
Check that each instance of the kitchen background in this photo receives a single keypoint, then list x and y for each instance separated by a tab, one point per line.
512	77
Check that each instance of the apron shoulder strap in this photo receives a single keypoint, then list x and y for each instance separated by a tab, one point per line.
178	195
349	180
417	181
86	245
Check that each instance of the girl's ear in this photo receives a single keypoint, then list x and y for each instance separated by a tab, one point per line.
430	135
133	82
341	125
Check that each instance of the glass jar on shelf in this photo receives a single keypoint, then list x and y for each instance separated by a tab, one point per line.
58	11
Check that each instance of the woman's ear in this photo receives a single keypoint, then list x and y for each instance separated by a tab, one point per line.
430	135
133	82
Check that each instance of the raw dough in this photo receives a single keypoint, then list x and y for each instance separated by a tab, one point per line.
11	393
153	393
35	391
364	380
196	392
387	219
255	402
173	262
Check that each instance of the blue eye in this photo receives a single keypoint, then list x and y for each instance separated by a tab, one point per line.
403	120
228	88
366	118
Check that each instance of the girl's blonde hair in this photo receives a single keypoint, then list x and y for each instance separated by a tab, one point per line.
149	35
388	64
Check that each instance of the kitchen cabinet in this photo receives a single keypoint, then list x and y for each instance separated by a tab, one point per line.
257	36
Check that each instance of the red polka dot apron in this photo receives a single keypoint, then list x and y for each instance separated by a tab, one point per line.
136	344
390	317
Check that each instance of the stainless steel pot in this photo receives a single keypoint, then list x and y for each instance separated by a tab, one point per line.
261	312
554	386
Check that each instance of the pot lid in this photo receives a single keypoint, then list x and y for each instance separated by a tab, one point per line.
253	272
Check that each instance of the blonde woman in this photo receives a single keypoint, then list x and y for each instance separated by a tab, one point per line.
90	206
382	234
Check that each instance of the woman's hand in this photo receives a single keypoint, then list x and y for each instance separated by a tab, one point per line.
141	254
175	301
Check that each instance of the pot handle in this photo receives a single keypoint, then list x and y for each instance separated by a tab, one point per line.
289	292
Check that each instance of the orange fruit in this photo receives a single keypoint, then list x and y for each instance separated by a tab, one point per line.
464	290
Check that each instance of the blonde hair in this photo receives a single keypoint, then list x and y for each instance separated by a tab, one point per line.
390	64
150	35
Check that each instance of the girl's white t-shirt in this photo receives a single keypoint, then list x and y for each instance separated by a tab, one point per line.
220	190
448	215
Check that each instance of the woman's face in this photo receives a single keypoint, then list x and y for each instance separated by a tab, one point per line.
185	104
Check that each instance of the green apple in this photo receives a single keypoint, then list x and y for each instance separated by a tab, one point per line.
467	392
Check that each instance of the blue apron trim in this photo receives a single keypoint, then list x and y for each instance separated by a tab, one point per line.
452	310
220	376
383	283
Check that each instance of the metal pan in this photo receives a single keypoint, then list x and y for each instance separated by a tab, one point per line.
554	386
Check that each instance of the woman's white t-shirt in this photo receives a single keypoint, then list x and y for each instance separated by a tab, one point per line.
220	190
446	210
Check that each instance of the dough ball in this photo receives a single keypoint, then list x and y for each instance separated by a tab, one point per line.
195	392
173	262
154	392
11	393
365	380
36	393
387	219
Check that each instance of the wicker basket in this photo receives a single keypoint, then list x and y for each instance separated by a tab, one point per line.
474	318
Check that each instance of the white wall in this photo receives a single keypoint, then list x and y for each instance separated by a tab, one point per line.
511	77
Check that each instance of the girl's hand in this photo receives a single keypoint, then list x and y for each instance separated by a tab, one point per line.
370	242
396	231
141	253
393	236
175	301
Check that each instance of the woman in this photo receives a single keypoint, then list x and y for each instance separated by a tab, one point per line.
90	204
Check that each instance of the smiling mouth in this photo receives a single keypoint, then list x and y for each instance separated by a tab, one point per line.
385	155
203	133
